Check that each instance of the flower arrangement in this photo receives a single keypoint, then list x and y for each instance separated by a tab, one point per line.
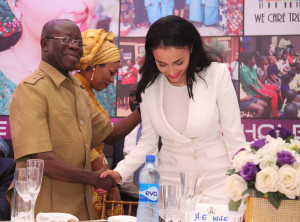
269	166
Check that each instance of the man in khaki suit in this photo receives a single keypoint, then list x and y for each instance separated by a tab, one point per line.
52	118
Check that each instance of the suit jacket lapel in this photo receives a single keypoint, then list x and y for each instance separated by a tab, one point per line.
168	129
197	107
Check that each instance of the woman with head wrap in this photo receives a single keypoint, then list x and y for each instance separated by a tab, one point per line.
98	66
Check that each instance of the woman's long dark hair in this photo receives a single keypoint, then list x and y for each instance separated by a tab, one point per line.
174	31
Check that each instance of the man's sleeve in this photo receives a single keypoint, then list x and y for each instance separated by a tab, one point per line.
29	122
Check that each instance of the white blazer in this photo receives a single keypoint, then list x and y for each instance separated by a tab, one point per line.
201	147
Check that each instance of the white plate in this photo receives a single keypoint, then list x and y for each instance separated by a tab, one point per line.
122	218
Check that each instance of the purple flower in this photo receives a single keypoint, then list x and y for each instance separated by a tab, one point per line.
258	143
280	132
248	171
285	157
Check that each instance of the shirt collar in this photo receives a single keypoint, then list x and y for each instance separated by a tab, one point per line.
56	75
248	68
84	83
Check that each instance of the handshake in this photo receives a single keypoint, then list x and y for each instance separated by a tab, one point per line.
105	183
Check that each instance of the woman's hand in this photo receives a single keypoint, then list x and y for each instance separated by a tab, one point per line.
114	174
105	183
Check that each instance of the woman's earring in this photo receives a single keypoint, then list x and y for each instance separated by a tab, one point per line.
93	74
191	50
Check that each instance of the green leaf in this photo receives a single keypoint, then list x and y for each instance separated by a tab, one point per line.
274	199
234	206
230	172
251	183
253	149
247	191
281	196
288	139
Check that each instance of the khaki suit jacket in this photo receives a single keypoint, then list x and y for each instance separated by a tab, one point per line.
50	112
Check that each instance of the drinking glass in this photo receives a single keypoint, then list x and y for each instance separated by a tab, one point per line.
173	212
35	168
18	212
162	201
169	202
21	185
189	183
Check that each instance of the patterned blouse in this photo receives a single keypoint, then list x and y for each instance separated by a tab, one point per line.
98	200
96	103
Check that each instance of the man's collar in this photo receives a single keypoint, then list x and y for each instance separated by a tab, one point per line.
84	82
56	75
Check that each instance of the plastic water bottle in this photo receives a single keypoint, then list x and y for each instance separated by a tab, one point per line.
148	194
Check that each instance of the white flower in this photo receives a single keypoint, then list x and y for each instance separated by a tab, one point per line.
289	181
253	158
271	149
235	185
239	160
278	140
248	146
297	167
294	144
270	178
267	180
273	146
267	161
294	147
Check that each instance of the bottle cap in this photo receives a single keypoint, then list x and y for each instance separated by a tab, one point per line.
150	158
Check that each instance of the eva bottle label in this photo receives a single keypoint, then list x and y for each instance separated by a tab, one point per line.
148	193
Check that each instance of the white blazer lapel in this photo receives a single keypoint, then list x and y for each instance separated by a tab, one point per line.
164	127
197	108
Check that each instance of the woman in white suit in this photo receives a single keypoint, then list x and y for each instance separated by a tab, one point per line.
188	100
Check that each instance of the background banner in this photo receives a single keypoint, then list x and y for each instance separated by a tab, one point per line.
267	28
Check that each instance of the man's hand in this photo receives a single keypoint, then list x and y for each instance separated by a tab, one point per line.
57	168
113	174
99	191
104	183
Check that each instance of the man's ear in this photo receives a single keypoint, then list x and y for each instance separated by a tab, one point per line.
44	44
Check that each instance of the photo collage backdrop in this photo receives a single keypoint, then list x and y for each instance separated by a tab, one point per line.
267	28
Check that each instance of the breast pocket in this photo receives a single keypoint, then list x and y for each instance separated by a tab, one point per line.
61	125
